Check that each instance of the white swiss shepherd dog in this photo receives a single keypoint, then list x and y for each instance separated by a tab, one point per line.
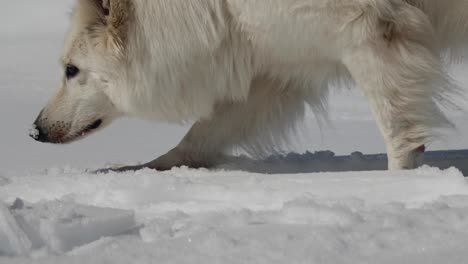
245	70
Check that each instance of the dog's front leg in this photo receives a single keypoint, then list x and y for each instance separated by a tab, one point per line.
200	148
270	108
174	158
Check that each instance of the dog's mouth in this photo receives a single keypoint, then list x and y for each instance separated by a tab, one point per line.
58	133
83	133
97	124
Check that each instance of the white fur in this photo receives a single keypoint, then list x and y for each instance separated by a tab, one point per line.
245	69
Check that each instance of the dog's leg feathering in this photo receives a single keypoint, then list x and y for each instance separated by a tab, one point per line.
400	72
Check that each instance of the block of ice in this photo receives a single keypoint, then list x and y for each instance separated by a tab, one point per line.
61	226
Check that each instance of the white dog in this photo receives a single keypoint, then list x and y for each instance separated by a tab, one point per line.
244	70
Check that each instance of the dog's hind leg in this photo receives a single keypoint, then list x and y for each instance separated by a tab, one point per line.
400	71
257	124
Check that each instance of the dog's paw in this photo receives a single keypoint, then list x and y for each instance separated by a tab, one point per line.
119	169
173	159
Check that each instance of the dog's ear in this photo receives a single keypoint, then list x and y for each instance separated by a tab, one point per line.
117	14
101	6
111	23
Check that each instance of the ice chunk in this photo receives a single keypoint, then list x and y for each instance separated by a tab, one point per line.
62	226
13	241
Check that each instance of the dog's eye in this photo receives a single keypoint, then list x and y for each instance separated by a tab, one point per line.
71	71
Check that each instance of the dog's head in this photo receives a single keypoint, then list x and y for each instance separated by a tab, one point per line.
94	48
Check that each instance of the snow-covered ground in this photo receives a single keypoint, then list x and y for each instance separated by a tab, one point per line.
53	211
190	216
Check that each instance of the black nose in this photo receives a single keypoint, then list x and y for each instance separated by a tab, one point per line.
39	134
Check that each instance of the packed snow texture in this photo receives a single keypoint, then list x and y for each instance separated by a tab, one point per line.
201	216
60	226
291	213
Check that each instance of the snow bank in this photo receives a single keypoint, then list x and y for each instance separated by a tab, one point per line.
201	216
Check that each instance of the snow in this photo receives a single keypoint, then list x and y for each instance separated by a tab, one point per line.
13	240
294	208
60	226
33	132
201	216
